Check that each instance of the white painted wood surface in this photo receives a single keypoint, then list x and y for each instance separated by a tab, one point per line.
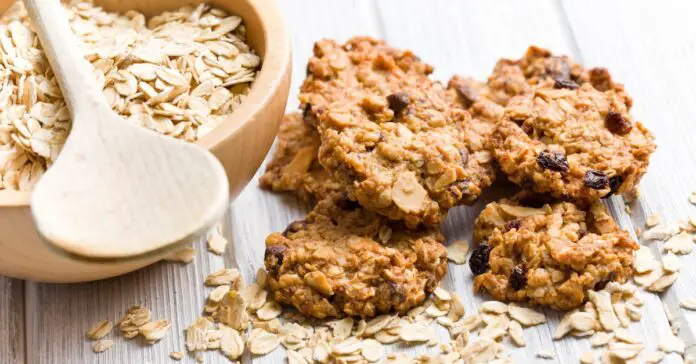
648	46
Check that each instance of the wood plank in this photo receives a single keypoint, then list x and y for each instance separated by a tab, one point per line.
651	49
12	332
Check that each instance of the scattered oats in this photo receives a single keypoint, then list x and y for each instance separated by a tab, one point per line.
605	310
671	263
386	338
644	261
224	276
269	311
176	355
671	344
655	357
582	321
155	330
516	333
135	317
295	357
184	255
197	334
526	316
653	220
218	293
442	294
342	328
692	198
457	310
433	311
256	296
587	357
261	277
623	350
601	339
661	232
564	326
101	329
495	307
444	321
102	345
376	324
688	303
663	282
625	336
263	343
371	350
634	313
414	333
216	242
348	346
232	311
682	243
457	251
231	343
649	278
546	354
622	314
321	353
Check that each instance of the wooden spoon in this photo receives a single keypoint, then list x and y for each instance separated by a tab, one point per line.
117	190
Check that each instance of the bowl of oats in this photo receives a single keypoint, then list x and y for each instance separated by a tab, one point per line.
213	73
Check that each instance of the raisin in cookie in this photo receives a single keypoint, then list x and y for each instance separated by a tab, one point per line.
388	132
345	260
549	255
295	167
578	144
539	66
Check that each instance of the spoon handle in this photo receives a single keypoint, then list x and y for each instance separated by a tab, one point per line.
73	72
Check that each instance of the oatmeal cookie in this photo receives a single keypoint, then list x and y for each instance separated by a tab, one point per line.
579	144
295	166
388	133
549	255
345	260
539	66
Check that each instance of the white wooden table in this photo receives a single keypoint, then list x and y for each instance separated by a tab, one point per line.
648	46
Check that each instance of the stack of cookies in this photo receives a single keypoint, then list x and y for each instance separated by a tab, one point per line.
382	152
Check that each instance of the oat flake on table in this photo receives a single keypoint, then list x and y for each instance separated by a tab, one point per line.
179	73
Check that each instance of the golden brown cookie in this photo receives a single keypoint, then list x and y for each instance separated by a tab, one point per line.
579	144
549	254
388	133
539	66
345	260
295	166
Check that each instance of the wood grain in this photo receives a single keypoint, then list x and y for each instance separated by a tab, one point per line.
457	37
11	320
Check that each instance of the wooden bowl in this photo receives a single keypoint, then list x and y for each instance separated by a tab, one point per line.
240	143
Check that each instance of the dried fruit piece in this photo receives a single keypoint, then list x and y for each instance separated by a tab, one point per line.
616	123
553	161
596	179
518	277
398	102
479	259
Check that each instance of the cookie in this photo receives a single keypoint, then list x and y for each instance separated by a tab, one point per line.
539	66
345	260
579	144
551	254
388	132
295	167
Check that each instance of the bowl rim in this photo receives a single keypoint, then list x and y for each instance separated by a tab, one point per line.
274	66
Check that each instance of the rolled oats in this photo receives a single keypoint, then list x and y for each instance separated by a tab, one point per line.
156	73
176	355
458	251
263	343
102	345
155	330
101	329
